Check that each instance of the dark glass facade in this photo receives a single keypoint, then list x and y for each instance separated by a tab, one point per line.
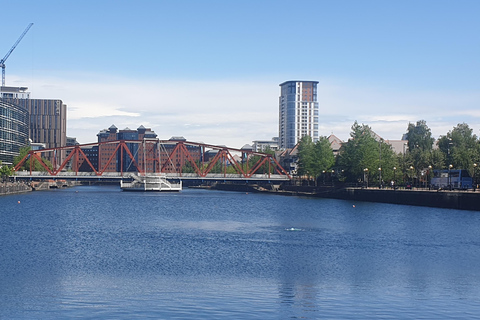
47	123
13	130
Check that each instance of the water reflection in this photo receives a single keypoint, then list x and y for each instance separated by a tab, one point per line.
206	254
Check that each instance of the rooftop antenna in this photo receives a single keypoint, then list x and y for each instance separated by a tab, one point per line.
2	62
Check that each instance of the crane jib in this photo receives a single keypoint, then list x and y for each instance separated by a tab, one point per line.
2	62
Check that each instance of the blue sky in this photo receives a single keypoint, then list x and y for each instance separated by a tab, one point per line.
209	70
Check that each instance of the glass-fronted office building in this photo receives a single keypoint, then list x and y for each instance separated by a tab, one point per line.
13	131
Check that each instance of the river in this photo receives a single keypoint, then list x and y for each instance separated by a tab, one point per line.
95	252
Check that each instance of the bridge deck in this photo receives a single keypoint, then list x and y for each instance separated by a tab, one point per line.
109	176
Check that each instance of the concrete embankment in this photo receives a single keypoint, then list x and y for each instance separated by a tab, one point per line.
52	184
14	188
463	200
22	187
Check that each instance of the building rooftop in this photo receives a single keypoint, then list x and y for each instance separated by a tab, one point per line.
13	89
180	138
281	84
247	147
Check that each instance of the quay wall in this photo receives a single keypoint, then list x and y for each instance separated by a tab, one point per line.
23	187
52	184
14	188
463	200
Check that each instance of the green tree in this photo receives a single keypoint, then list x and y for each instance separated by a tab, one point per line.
189	168
314	158
5	171
358	153
253	161
437	159
365	151
306	157
216	168
26	165
323	155
419	136
420	157
460	147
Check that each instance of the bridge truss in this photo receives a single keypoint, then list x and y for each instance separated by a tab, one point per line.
150	156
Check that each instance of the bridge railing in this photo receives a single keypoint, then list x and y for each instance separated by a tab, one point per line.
119	175
228	176
70	174
152	155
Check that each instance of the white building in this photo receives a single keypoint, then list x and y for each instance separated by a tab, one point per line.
14	93
262	145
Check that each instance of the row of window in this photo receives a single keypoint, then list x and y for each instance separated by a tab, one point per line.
13	113
42	120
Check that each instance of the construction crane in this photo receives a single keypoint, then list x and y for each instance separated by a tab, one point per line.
2	62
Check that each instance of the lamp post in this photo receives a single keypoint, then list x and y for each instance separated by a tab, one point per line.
429	177
450	177
450	143
380	178
380	162
474	176
405	145
365	177
411	175
394	178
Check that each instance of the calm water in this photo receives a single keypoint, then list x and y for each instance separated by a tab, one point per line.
97	252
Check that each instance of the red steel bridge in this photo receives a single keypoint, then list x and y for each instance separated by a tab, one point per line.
177	159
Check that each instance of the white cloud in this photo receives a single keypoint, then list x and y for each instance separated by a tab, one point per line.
234	113
389	111
216	112
96	110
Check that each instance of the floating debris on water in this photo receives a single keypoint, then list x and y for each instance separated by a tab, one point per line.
293	229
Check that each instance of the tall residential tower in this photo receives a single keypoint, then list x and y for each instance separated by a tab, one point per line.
298	112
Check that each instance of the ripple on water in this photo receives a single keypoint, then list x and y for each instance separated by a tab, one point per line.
101	253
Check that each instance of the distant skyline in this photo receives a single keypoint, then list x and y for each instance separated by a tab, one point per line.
210	70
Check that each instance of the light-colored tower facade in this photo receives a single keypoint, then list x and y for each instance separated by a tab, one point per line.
298	112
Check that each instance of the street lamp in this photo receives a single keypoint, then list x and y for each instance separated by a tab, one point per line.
450	143
380	162
474	176
411	176
394	178
405	145
429	177
449	176
380	178
365	176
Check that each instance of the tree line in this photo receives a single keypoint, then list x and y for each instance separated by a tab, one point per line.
7	171
365	157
